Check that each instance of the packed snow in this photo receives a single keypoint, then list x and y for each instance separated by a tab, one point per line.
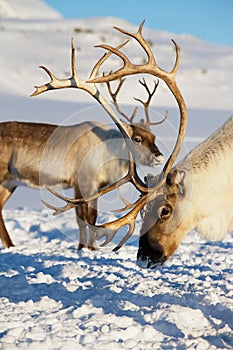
51	295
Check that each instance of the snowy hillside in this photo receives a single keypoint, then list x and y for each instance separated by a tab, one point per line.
24	9
53	297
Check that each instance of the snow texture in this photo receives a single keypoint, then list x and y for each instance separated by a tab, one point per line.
53	297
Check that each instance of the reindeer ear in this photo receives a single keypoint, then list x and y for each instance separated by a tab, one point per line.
142	121
150	179
177	178
129	128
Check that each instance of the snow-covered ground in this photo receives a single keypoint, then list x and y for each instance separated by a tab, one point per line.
53	297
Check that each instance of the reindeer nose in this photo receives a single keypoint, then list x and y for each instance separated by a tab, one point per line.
157	160
150	259
160	158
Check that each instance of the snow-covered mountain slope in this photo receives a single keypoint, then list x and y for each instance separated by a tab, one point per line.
27	9
205	75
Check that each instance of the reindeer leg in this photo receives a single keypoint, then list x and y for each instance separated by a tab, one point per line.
92	216
86	213
81	214
5	193
81	217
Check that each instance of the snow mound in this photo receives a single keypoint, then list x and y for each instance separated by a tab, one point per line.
27	9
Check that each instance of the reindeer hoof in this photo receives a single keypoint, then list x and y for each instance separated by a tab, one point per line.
8	245
89	247
81	246
92	248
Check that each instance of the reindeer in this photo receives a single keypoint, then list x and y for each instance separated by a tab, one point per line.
85	157
197	193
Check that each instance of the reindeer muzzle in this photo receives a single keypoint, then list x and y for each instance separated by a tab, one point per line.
147	262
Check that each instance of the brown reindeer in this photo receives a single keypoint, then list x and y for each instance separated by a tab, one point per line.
84	157
196	193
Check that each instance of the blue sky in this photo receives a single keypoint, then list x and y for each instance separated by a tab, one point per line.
210	20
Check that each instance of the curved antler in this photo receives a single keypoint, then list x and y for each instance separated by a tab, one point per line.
148	194
150	67
76	82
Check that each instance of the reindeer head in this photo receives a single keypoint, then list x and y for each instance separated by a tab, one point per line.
146	151
144	141
165	220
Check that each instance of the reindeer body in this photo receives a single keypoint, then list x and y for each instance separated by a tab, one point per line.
85	157
198	195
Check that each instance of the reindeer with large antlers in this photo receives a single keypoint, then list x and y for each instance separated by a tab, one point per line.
196	193
85	156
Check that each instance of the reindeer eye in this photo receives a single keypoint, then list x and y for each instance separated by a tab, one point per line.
137	139
164	212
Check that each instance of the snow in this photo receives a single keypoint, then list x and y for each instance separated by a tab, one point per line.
53	297
56	298
24	9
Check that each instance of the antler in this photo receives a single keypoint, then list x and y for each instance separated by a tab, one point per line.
146	103
109	230
75	82
114	100
150	67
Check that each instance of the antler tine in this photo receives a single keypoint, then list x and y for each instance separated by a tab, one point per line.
126	220
129	68
150	93
114	96
56	83
114	100
120	72
99	63
139	37
146	103
110	229
127	206
161	121
58	210
177	61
